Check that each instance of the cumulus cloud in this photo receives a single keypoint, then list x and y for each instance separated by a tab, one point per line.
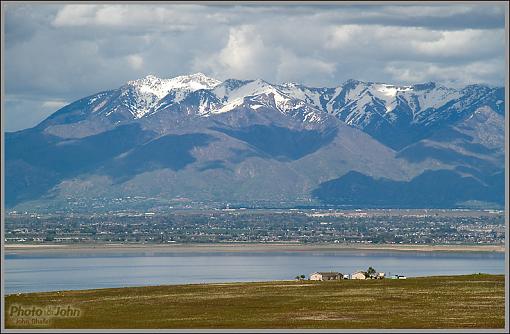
462	43
64	52
245	55
113	16
341	36
135	61
241	57
434	17
248	55
454	75
54	104
75	15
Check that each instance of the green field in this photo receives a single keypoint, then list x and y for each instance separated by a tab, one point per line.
472	301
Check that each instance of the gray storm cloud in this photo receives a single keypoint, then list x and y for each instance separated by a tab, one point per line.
59	53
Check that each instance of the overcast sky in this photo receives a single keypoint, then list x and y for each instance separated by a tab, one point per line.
55	54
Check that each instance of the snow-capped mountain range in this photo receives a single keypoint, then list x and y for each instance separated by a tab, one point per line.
395	115
351	101
250	140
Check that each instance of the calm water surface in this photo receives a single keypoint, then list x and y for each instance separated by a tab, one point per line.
30	272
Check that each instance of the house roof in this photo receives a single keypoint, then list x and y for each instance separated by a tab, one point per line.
328	273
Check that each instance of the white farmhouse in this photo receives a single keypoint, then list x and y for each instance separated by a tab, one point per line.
358	275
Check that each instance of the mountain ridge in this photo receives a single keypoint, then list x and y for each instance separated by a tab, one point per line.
375	108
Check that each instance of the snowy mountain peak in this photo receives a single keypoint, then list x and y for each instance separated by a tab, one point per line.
291	84
391	90
161	87
196	81
145	93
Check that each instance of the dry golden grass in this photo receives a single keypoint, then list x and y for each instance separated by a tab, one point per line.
472	301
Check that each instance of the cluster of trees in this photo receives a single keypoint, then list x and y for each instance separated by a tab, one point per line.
370	272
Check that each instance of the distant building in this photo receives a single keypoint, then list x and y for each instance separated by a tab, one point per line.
398	277
358	275
325	276
380	275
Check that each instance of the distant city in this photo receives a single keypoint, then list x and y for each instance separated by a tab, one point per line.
380	226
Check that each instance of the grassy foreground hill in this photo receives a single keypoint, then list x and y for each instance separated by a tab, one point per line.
470	301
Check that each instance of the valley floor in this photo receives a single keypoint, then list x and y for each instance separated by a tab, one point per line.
470	301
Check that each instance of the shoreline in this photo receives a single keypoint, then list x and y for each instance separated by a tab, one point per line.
232	283
254	247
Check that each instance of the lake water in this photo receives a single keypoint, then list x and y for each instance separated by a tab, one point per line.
30	272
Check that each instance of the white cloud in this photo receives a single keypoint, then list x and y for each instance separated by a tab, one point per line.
460	43
135	61
340	36
454	75
244	48
389	43
75	15
54	104
163	17
245	56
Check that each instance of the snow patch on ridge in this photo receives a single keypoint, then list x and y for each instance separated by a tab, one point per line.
161	87
236	97
150	90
